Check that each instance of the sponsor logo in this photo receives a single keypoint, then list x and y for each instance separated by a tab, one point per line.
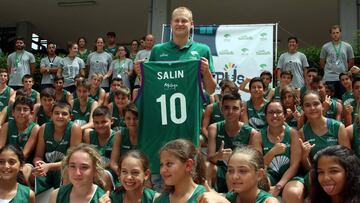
263	52
164	55
245	37
220	136
263	36
170	86
194	53
226	52
230	73
227	37
244	51
263	66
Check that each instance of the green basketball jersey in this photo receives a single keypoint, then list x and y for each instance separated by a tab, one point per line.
9	115
80	117
303	89
119	121
165	197
347	98
330	138
16	138
65	190
239	140
147	196
355	145
63	96
291	121
55	150
256	117
126	144
22	194
33	95
96	96
105	150
281	162
4	98
216	114
331	112
277	93
169	105
261	197
41	116
266	93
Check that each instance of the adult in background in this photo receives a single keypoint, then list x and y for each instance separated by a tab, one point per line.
111	47
294	62
49	66
336	57
99	62
143	56
134	48
70	66
19	63
83	52
121	67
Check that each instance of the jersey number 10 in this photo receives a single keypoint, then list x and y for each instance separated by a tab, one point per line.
163	105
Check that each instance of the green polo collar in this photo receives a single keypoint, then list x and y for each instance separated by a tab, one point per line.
187	45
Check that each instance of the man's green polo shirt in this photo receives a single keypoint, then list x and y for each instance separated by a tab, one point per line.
169	51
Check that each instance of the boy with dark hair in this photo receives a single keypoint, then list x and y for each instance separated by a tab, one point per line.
28	83
345	80
83	106
115	83
55	137
6	92
60	93
121	99
21	131
285	79
102	138
225	136
42	111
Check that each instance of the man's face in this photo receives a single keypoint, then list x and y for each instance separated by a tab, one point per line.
292	45
51	49
181	24
110	39
19	45
149	41
335	34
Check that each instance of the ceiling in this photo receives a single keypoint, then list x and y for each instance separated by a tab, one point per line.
309	20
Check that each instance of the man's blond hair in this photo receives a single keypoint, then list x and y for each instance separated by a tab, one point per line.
186	11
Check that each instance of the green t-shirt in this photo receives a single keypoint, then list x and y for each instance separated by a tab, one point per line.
147	196
105	150
4	98
65	191
16	138
22	194
281	162
216	114
169	51
261	197
172	111
55	150
330	138
41	116
256	117
165	197
126	144
80	117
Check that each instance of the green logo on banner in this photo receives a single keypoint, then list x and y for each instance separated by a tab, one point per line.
245	37
227	35
244	51
263	66
226	52
263	52
263	36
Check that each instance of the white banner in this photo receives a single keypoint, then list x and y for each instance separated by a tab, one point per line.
238	51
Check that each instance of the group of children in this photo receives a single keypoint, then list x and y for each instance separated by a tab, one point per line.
284	143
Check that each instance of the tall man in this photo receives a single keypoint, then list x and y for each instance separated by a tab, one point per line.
295	62
180	48
49	66
336	57
19	63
